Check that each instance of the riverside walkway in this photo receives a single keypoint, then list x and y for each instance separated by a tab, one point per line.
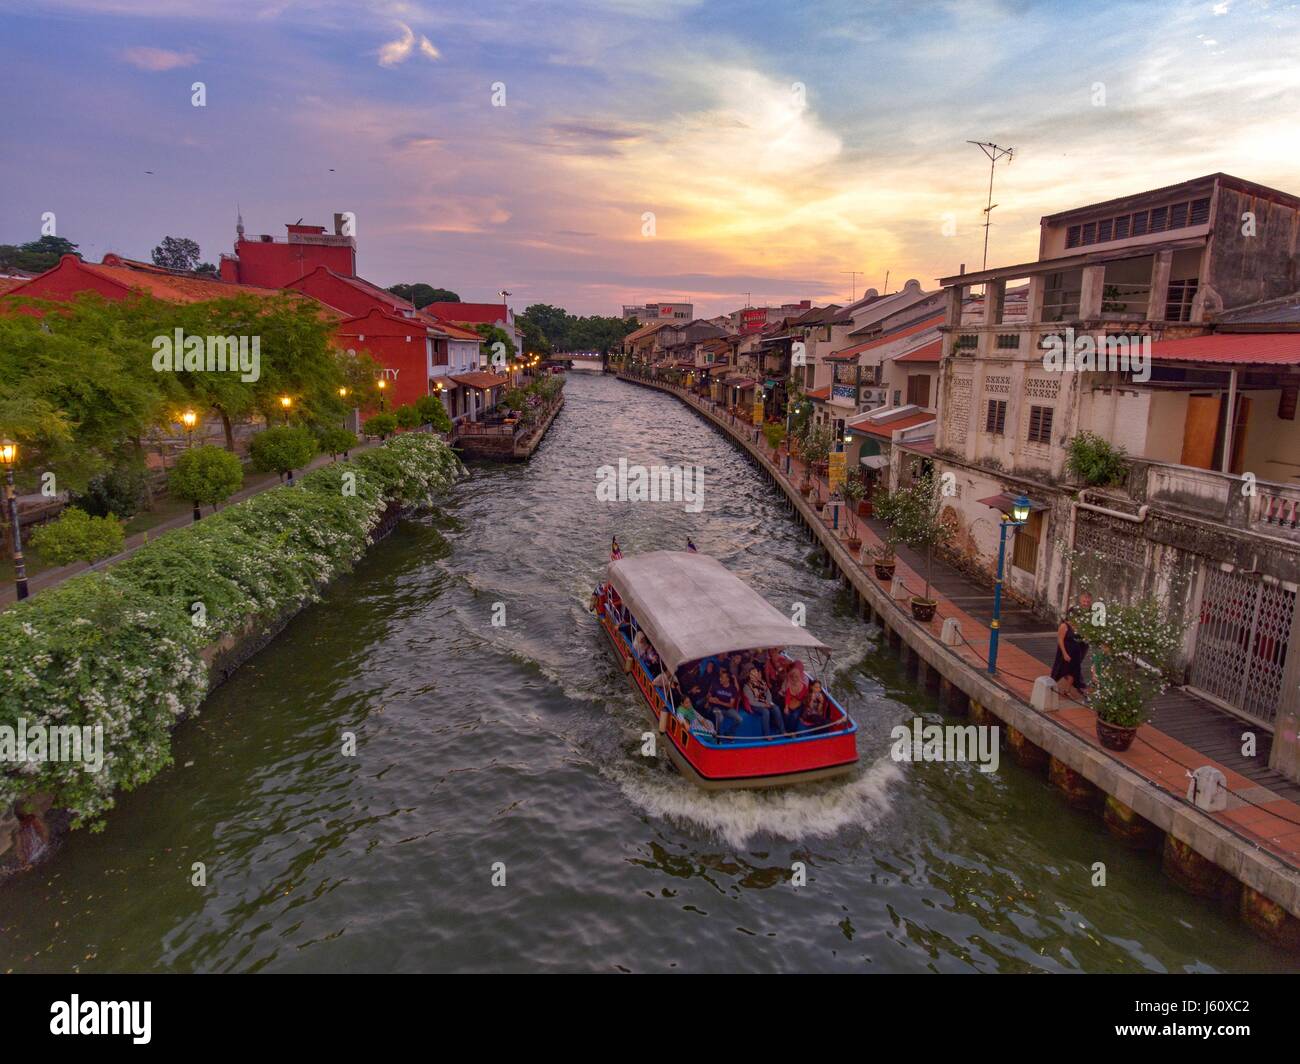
50	577
1255	839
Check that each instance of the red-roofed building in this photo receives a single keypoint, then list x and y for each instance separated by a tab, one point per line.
469	315
274	263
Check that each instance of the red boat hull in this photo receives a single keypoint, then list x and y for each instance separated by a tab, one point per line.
739	765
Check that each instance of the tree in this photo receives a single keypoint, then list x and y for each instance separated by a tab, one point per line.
433	413
381	425
335	441
206	269
176	253
206	475
282	450
36	256
123	489
916	521
492	336
852	492
76	536
422	294
535	341
407	417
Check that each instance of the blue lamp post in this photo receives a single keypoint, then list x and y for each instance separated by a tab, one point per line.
1019	515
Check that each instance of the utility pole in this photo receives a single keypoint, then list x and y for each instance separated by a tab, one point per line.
855	274
994	153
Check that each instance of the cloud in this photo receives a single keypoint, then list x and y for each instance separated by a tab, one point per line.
399	51
157	59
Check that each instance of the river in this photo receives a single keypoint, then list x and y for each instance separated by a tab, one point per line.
519	746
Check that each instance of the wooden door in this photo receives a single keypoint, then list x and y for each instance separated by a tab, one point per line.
1199	431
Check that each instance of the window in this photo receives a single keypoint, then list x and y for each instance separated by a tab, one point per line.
1200	212
1179	305
1140	223
966	341
995	420
1008	341
1024	552
898	397
1040	424
918	389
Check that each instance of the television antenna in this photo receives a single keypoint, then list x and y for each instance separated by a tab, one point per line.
994	153
855	274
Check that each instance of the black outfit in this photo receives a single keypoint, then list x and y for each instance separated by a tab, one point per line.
1078	650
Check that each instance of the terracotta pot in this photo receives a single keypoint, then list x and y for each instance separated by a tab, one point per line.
806	491
923	609
884	570
865	508
854	544
1115	736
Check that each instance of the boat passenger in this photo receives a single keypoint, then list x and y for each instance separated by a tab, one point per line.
699	680
775	668
724	701
818	710
759	699
615	551
795	690
691	547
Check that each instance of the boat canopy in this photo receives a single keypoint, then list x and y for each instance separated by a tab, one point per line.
691	607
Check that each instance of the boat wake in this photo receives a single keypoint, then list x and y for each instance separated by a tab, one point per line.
794	813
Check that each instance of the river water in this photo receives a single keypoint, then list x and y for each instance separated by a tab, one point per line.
518	747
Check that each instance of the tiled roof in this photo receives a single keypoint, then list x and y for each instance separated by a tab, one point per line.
480	380
847	354
1274	349
886	429
932	352
820	394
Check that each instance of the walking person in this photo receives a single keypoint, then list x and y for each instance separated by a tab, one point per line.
1067	668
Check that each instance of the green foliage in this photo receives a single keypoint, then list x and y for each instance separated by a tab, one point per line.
75	536
422	294
380	425
852	492
913	513
177	253
432	412
206	475
1095	461
281	449
121	648
492	336
121	490
335	440
563	331
407	417
1133	649
817	443
36	256
774	433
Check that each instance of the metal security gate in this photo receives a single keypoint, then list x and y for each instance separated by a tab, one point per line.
1241	642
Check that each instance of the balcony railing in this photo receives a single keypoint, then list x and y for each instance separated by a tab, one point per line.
1224	498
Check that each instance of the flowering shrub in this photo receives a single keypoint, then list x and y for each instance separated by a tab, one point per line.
122	648
1132	652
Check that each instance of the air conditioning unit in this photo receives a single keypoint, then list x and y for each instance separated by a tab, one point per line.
874	396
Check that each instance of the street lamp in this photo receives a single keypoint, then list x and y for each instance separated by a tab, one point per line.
189	419
1019	515
381	384
9	458
343	393
285	403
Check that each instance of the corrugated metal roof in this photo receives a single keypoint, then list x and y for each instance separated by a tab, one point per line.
1274	349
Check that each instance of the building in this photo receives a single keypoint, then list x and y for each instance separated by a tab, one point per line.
275	263
471	315
1160	323
649	313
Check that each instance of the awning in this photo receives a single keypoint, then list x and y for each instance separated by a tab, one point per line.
691	607
875	461
481	380
1005	501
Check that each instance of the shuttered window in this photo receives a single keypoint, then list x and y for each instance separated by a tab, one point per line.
1040	424
918	390
995	420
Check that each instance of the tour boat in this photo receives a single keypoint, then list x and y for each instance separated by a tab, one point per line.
689	607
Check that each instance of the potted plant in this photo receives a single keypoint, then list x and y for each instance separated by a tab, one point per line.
774	433
917	523
816	448
852	491
1133	649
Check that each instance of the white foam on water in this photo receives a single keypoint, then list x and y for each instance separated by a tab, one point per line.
815	810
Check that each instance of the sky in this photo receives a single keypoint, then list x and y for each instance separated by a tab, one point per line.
589	154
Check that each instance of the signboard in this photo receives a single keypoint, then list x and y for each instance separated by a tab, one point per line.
835	470
758	411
